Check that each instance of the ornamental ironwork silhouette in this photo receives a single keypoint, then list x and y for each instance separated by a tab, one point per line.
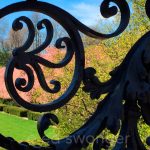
128	90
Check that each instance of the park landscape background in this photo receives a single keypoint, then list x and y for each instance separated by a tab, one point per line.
103	55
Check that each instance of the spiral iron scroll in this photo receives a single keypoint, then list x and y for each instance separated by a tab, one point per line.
129	82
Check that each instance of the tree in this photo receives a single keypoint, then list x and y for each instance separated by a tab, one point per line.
3	30
58	30
36	17
40	35
15	39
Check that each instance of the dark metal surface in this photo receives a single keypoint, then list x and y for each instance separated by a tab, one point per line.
128	89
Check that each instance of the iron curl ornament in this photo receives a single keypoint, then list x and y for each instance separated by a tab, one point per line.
128	90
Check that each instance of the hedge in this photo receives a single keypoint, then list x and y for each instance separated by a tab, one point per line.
2	107
8	102
33	115
21	112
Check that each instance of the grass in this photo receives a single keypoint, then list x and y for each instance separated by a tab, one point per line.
21	129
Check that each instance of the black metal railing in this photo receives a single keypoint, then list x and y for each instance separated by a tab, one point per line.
129	81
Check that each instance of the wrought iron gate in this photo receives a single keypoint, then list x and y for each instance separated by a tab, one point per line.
129	82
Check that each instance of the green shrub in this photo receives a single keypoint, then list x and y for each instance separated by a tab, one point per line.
8	102
33	115
2	107
4	57
21	112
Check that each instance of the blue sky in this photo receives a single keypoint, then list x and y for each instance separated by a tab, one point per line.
87	11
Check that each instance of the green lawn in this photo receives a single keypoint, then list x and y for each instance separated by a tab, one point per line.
21	129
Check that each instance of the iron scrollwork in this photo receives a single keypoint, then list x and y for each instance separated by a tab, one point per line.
129	83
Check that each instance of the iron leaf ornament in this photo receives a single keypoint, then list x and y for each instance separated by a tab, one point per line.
128	90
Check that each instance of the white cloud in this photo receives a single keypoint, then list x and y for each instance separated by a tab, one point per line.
89	14
86	13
